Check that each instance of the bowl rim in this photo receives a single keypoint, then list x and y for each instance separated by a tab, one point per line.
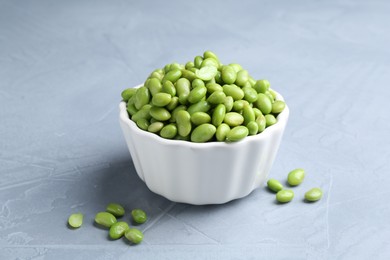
279	125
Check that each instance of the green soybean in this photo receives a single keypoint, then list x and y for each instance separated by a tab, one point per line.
199	118
235	92
197	94
172	75
134	235
242	78
237	67
296	176
128	93
183	121
183	89
201	106
213	87
264	104
248	114
253	128
314	194
284	196
261	123
105	219
270	120
229	103
144	112
238	105
274	185
169	88
160	113
161	99
228	74
169	131
203	133
209	62
198	61
237	133
210	54
75	220
197	83
278	106
222	131
188	75
173	104
175	111
154	86
115	209
155	127
233	119
139	216
189	65
257	111
250	94
261	86
206	73
218	115
143	123
142	97
217	97
131	109
118	229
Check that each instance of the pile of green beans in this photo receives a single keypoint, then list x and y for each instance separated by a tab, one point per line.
294	178
203	101
117	229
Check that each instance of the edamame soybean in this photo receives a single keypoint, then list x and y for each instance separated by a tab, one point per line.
115	209
161	99
274	185
242	78
222	131
219	115
296	177
169	131
233	119
270	120
160	113
253	128
139	216
155	127
203	133
314	194
261	86
118	229
134	235
105	219
228	74
235	92
263	103
199	118
183	121
128	93
278	106
237	133
217	97
197	94
142	97
75	220
284	196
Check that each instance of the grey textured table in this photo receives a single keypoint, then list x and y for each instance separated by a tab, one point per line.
63	66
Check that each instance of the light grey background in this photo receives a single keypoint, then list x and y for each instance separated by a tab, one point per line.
63	65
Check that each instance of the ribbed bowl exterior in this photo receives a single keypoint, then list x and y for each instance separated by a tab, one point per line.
202	173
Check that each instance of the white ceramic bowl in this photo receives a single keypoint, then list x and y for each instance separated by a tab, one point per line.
202	173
